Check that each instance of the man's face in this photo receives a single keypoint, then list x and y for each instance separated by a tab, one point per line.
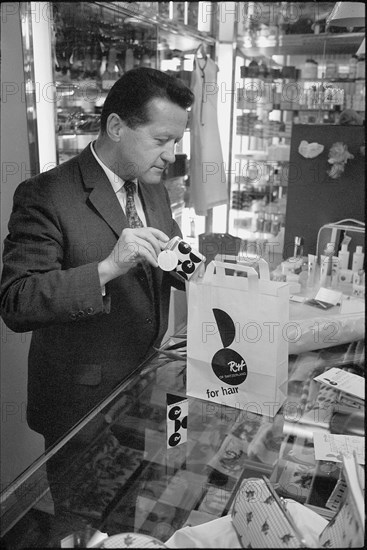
146	150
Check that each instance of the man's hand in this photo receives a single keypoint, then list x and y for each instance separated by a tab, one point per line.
133	246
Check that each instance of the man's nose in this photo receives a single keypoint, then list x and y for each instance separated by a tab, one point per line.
168	154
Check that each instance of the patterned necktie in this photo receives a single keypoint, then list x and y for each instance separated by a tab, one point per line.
134	222
131	213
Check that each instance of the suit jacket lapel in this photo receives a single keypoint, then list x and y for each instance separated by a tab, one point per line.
104	199
102	196
153	216
148	199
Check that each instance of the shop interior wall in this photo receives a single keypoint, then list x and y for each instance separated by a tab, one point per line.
20	446
314	199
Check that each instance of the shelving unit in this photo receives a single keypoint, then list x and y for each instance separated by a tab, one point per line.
115	39
96	42
269	102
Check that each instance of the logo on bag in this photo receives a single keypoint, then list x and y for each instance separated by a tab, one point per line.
227	364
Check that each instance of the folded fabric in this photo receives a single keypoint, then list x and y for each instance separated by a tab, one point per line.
308	522
218	533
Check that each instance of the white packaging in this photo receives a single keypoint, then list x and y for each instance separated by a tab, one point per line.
345	276
343	256
180	258
325	269
358	258
359	283
335	267
312	259
292	265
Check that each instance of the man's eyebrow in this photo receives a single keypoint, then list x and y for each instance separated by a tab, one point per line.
163	135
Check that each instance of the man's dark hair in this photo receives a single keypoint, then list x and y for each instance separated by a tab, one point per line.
130	95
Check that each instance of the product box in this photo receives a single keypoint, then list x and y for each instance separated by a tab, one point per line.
180	258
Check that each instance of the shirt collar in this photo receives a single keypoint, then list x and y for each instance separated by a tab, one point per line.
115	180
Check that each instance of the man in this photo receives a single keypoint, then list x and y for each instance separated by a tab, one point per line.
80	260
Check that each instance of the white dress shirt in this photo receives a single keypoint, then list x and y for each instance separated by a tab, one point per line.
118	187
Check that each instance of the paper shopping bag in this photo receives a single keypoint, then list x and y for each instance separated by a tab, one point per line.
237	349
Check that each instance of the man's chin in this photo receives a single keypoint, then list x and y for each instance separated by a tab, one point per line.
152	179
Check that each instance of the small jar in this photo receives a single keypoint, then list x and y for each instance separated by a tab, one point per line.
317	27
263	70
353	61
260	222
310	69
253	69
267	223
361	70
331	70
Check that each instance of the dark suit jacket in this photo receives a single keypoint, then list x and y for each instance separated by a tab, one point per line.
63	223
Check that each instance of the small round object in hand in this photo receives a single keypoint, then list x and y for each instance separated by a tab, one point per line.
167	260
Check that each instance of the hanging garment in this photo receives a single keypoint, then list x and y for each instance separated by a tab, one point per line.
208	179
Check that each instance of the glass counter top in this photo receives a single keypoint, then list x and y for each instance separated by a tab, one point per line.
116	472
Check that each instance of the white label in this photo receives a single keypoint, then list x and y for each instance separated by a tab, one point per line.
342	380
352	305
329	296
332	446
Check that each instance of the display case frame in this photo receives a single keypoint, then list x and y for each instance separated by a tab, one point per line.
122	444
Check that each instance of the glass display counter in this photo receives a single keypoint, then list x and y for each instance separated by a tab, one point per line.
115	471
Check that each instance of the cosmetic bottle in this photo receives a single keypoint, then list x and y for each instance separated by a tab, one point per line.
298	247
358	258
343	256
361	67
326	265
335	268
353	61
294	263
312	260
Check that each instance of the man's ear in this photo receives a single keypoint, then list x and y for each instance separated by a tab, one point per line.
114	127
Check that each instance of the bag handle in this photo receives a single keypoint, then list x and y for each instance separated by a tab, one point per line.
220	268
348	220
263	268
341	224
236	260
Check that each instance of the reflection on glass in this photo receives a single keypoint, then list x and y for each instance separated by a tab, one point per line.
29	90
